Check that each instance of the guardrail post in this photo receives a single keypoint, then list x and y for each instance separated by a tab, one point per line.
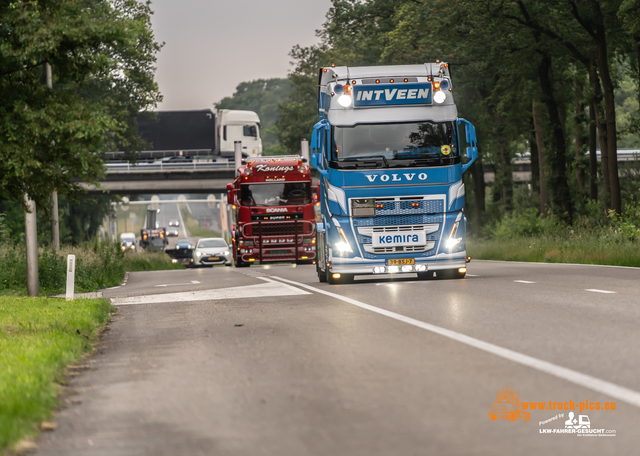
237	151
304	149
71	277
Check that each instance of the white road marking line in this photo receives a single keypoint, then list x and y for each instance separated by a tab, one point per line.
602	386
599	291
174	284
523	281
273	288
472	275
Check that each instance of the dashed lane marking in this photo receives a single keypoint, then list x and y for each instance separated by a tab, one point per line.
599	291
271	288
174	284
523	281
602	386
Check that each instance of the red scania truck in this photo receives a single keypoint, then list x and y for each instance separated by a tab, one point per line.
273	204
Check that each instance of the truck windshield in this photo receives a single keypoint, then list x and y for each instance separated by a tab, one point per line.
276	194
398	144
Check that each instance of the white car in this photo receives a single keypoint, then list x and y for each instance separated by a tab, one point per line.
128	241
212	251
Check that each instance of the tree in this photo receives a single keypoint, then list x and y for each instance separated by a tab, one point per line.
102	53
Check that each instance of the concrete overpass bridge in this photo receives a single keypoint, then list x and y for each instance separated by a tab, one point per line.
158	178
206	176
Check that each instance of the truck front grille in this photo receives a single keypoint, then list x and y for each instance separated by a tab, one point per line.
399	249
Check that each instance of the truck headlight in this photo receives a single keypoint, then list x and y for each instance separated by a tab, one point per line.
453	240
438	97
343	245
345	100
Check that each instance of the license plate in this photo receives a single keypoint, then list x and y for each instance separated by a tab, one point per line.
214	258
276	252
400	262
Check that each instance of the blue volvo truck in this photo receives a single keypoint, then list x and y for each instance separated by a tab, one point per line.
391	151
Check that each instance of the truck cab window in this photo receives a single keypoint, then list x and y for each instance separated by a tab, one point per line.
250	131
276	194
396	142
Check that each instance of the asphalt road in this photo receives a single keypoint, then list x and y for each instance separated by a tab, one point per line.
267	361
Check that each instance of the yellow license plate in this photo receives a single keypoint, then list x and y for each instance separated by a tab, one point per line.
214	258
401	262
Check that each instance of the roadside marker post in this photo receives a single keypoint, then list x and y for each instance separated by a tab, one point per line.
71	276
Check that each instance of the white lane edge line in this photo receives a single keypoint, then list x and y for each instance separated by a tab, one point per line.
594	290
473	275
523	281
275	281
602	386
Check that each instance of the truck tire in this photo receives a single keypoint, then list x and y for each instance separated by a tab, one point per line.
450	274
240	263
322	275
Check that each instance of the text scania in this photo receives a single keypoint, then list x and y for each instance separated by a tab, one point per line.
277	209
396	177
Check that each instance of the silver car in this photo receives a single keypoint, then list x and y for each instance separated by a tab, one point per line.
212	251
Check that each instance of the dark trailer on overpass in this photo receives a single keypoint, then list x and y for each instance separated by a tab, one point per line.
193	132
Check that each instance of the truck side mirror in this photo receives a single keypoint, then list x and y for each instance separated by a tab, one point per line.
314	148
472	148
229	193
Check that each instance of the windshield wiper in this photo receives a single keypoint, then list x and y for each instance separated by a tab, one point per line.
425	161
384	159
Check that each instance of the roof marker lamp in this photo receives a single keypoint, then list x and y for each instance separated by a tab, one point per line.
453	240
343	245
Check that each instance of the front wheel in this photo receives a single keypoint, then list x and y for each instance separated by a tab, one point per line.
322	275
450	274
240	263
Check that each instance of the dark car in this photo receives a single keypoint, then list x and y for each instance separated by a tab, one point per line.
183	244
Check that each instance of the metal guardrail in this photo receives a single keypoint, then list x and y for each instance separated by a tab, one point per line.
162	166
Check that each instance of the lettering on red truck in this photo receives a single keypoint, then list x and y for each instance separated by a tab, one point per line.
277	209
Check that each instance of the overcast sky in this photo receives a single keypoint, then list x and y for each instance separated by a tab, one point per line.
213	45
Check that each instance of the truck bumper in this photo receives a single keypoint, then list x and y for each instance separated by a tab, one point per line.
361	266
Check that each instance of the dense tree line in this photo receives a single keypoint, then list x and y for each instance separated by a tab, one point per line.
533	76
100	56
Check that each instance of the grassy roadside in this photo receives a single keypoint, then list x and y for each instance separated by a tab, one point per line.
39	337
550	249
148	261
